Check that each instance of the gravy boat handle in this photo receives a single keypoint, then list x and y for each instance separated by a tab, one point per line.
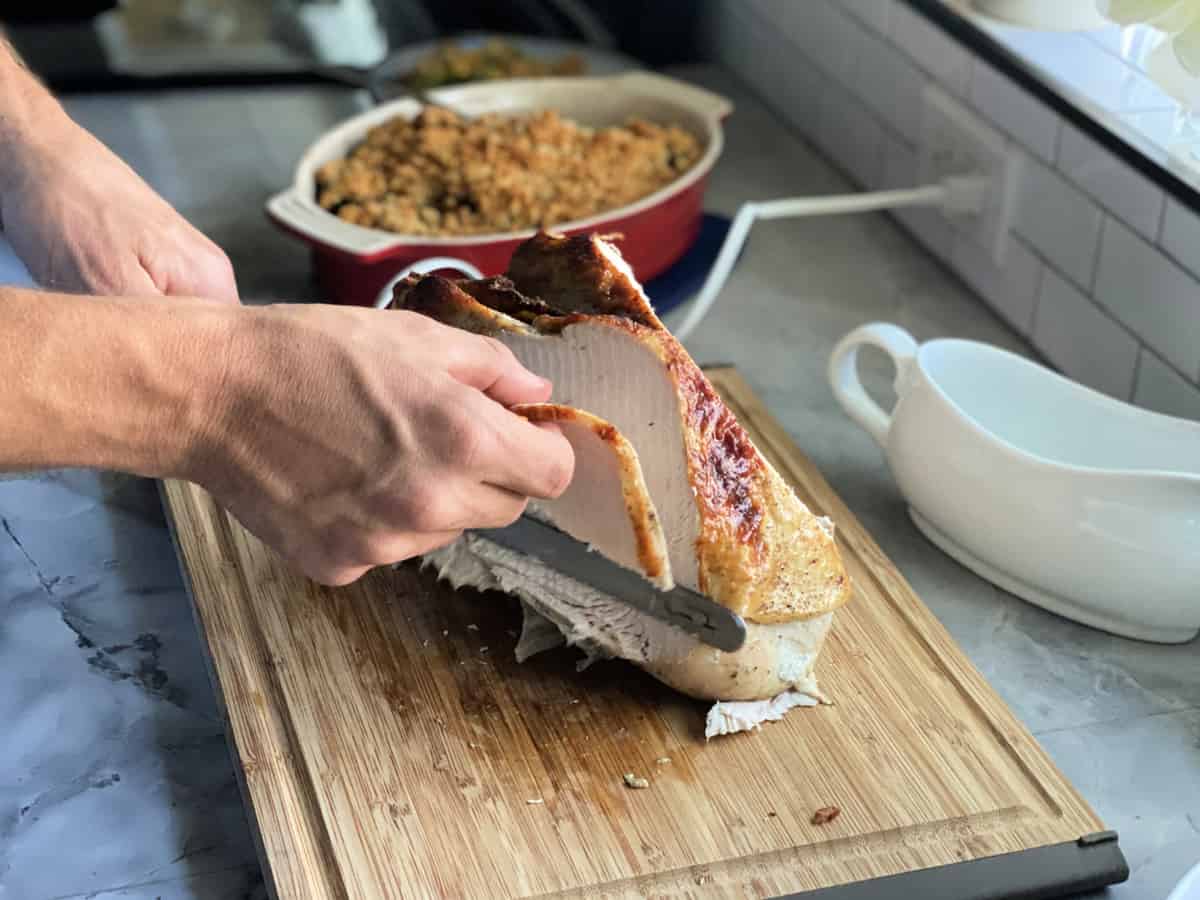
848	388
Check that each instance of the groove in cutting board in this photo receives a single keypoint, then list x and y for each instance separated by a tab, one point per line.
391	744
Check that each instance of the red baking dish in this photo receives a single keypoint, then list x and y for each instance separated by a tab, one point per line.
357	265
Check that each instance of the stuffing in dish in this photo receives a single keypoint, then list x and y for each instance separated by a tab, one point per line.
441	174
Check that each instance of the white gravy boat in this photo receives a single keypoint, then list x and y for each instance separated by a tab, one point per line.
1082	504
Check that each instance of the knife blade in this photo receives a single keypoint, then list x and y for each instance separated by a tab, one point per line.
687	609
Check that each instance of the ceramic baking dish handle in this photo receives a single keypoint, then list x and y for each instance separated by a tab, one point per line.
292	210
848	388
422	267
703	101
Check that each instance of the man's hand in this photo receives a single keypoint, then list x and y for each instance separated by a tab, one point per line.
343	437
350	438
80	219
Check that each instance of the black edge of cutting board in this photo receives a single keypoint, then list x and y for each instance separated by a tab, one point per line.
1059	870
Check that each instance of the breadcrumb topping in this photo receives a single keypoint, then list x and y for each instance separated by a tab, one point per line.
443	174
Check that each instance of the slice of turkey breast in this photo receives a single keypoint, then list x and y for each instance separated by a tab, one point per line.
608	507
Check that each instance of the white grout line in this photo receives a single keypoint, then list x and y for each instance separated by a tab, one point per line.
1037	290
1162	224
1137	371
1095	273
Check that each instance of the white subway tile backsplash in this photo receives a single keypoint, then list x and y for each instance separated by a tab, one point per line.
737	37
891	85
931	48
927	225
827	35
797	97
769	64
1102	271
1014	111
850	135
900	160
1058	220
1162	389
1012	290
878	172
839	45
874	13
1150	294
1181	235
1129	194
1082	341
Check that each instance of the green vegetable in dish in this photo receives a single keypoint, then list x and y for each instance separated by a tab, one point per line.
450	63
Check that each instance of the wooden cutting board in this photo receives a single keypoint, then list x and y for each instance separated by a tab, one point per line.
391	746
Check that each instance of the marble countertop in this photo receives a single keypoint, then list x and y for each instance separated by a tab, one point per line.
115	778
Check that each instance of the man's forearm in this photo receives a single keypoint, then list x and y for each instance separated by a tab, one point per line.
29	114
106	383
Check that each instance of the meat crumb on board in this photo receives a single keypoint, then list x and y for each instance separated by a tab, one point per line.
635	781
825	814
663	760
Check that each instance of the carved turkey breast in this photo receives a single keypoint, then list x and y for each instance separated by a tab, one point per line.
666	483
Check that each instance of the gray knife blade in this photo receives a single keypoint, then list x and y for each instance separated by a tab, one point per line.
693	612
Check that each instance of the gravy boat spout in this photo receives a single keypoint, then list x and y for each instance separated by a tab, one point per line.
1079	503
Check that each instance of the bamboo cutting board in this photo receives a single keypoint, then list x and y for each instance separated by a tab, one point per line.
391	746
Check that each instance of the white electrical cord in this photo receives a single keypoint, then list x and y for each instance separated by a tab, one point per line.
963	194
